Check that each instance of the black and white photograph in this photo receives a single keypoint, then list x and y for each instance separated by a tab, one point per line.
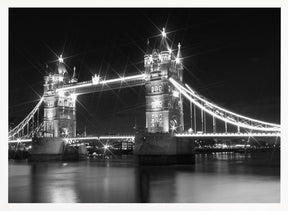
137	105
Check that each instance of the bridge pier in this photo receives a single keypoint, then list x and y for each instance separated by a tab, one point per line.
49	148
163	149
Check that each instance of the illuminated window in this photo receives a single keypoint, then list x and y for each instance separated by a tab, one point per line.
156	120
160	88
49	114
156	88
152	120
156	104
49	104
152	89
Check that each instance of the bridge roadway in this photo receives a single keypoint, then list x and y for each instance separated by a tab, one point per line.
101	138
225	135
131	137
105	85
178	135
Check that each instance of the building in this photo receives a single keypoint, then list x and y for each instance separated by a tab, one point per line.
59	107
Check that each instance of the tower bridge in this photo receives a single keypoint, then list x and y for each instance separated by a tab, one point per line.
165	92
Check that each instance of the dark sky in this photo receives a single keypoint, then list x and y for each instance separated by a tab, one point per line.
231	56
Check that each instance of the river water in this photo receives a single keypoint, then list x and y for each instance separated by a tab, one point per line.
217	177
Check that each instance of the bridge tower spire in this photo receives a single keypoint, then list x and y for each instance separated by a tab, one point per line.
164	109
179	55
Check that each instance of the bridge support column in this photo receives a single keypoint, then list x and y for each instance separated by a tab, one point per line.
195	119
214	125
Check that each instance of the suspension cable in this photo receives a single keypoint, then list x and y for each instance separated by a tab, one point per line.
185	92
24	122
192	92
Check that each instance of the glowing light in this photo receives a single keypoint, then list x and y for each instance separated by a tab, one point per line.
24	122
170	50
117	137
226	111
95	79
187	135
20	141
184	91
73	96
134	77
61	93
173	128
60	59
164	33
156	104
142	76
102	138
175	93
74	86
177	60
106	146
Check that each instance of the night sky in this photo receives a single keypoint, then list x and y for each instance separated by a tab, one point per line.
231	56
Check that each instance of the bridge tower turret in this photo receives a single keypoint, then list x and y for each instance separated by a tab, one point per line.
164	108
59	107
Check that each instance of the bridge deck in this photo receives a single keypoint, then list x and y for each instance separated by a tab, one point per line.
179	135
225	135
106	85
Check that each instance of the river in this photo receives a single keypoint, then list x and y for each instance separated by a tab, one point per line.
218	177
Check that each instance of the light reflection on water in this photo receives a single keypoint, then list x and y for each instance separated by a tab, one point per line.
218	177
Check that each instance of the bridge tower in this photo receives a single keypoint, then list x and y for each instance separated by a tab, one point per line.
164	108
59	107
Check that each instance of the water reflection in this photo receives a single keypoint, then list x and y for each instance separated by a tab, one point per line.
53	183
158	183
220	177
